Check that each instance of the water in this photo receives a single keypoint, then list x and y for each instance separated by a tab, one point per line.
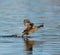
12	14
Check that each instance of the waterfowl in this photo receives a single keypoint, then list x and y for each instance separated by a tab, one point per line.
30	28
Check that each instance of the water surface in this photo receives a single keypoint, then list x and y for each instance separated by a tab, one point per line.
12	14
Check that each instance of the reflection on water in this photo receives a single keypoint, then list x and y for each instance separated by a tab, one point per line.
12	14
16	46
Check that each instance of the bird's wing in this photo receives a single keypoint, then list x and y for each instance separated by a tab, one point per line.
27	23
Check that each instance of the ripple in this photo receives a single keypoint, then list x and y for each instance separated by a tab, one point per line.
50	34
58	27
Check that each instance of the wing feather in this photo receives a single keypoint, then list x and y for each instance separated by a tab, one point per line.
27	23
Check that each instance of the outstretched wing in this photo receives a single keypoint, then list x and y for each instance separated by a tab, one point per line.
27	23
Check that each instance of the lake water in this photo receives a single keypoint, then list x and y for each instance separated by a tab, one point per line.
12	15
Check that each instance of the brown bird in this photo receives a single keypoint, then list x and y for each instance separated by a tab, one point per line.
30	28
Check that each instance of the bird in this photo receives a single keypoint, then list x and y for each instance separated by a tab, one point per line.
30	28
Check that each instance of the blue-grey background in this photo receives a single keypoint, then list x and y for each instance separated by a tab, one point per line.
12	14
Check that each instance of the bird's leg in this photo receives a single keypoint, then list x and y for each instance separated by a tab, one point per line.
24	37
